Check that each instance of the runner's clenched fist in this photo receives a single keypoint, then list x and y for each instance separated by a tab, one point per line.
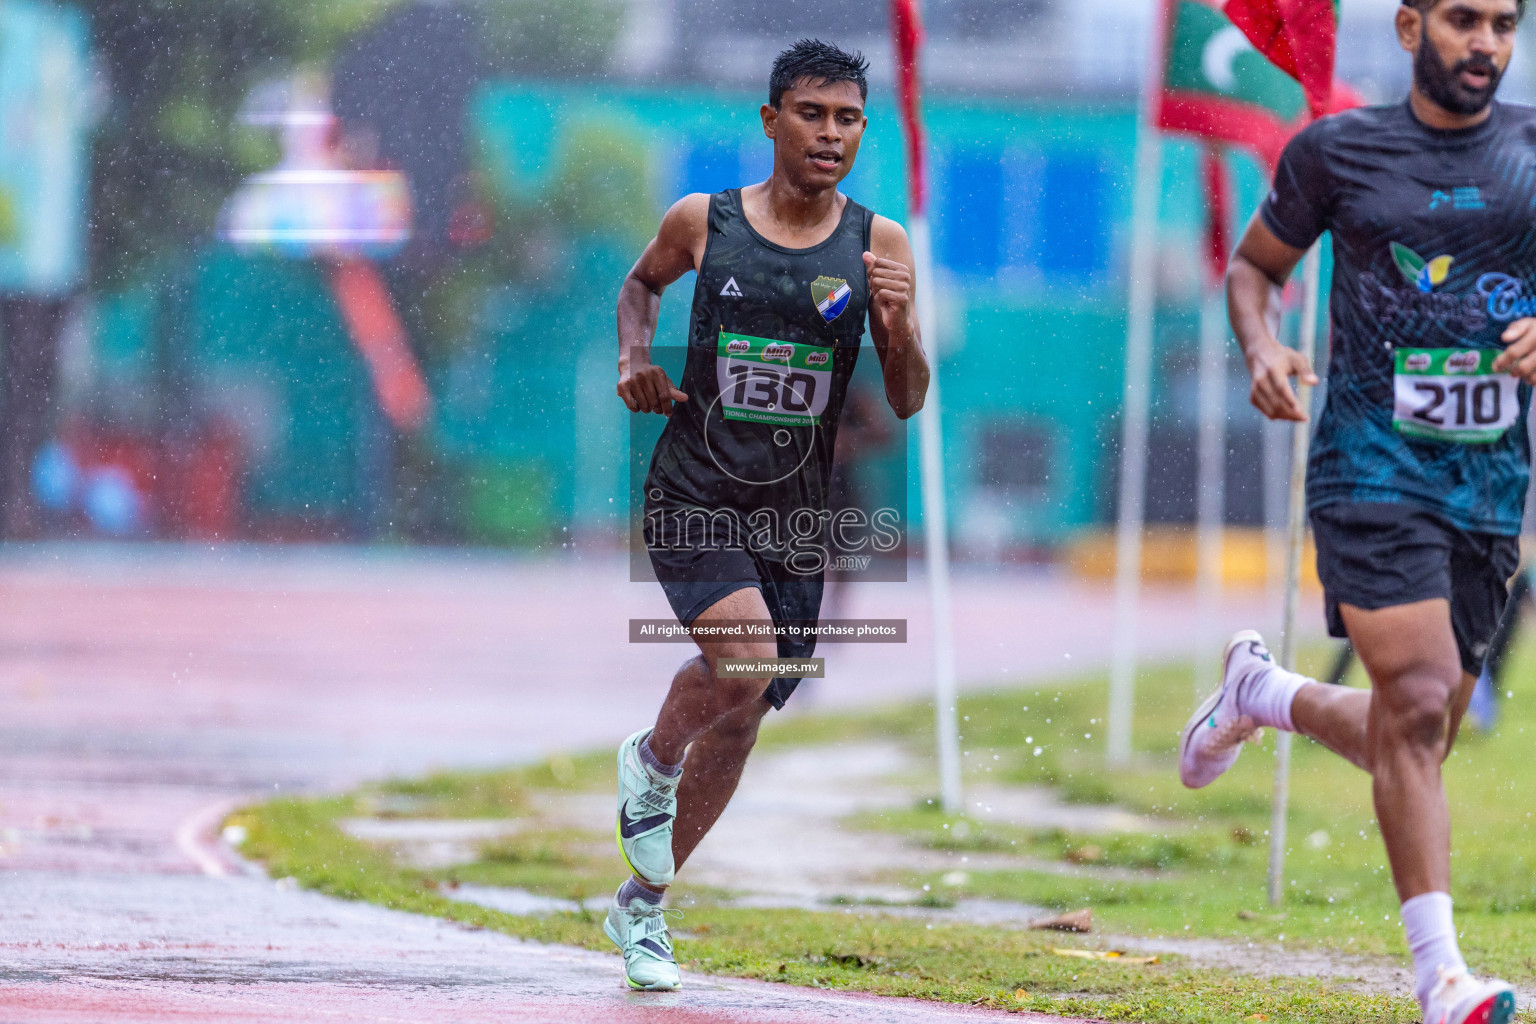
645	387
890	292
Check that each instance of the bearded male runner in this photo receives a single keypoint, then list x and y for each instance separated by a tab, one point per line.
1419	466
736	497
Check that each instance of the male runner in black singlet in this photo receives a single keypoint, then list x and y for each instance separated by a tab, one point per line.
1419	465
736	498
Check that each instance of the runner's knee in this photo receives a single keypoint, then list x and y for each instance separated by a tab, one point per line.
1415	707
743	686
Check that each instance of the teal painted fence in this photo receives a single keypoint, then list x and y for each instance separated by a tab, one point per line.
1030	219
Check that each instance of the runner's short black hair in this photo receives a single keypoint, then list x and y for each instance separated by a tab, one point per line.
1425	5
819	63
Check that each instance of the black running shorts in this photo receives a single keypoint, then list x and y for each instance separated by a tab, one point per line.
694	579
1379	554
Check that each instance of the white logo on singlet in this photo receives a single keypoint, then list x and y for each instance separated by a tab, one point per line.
731	291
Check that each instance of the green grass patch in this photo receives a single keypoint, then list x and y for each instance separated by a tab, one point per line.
1199	873
1207	868
863	952
494	794
1197	846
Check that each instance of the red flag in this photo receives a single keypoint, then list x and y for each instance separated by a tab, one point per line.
1298	36
907	25
1216	86
1218	213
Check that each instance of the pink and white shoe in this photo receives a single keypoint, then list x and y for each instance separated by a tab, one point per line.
1459	998
1214	735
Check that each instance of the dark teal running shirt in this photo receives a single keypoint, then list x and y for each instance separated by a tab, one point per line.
1434	254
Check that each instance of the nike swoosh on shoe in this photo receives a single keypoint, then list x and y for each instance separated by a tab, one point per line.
655	947
629	827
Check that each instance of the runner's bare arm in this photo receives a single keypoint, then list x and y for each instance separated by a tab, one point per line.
1259	270
1519	357
892	318
677	248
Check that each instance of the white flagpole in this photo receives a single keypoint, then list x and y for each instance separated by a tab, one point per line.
907	23
1136	405
936	531
1212	475
1301	436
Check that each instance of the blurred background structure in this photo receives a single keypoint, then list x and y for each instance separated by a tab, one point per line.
437	365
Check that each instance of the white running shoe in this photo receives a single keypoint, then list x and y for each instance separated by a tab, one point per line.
640	932
647	808
1214	735
1459	998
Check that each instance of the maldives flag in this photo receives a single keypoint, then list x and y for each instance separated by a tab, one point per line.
1298	37
1218	86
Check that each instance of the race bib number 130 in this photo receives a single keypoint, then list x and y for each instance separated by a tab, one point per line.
765	381
1452	394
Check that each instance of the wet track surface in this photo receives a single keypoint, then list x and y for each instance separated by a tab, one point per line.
168	948
143	692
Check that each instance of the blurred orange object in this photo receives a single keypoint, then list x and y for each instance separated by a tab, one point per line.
1168	556
379	335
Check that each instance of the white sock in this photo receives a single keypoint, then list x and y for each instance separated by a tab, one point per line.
1266	696
1432	937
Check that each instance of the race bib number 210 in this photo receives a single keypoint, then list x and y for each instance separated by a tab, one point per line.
766	381
1452	394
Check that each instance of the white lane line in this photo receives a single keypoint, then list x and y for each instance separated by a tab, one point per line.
194	833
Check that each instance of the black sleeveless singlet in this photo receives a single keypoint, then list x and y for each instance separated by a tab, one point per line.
772	342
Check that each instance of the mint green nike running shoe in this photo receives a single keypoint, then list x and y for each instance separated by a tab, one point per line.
640	932
647	807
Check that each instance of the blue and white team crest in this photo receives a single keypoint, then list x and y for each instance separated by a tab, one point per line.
831	295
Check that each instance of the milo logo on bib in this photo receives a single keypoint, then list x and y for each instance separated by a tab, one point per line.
1452	394
1469	361
767	381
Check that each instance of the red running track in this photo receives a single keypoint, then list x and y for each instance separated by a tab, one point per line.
143	690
